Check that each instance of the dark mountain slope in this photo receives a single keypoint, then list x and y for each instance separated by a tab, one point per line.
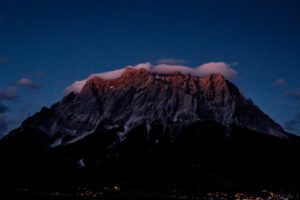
203	155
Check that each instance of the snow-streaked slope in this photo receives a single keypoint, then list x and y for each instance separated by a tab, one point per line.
141	97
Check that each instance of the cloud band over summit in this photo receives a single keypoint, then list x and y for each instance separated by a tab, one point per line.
212	67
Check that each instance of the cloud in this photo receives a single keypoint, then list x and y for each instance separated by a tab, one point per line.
75	87
291	125
4	60
279	82
294	94
235	64
170	61
298	116
3	108
13	121
8	94
38	74
217	67
24	82
202	70
294	124
3	125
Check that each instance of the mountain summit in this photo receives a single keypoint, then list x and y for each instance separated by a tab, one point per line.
141	97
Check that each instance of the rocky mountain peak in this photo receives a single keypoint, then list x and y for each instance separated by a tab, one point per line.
141	97
138	77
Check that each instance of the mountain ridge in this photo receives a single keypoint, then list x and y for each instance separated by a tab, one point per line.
138	97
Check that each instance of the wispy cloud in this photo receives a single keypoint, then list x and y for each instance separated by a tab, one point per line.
294	94
3	108
293	124
3	125
38	74
4	60
170	61
24	82
8	94
212	67
13	121
279	82
235	64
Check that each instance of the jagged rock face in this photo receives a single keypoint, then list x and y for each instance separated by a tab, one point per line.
139	97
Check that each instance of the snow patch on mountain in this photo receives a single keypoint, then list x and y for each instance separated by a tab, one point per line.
81	136
81	163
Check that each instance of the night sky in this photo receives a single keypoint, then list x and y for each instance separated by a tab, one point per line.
45	46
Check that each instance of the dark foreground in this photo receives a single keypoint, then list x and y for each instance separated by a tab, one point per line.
24	194
205	158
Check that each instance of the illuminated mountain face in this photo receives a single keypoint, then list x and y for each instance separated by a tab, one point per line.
140	97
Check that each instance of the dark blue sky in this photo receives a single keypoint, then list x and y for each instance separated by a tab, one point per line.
54	43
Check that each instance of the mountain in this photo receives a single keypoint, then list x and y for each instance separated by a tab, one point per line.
140	97
146	128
